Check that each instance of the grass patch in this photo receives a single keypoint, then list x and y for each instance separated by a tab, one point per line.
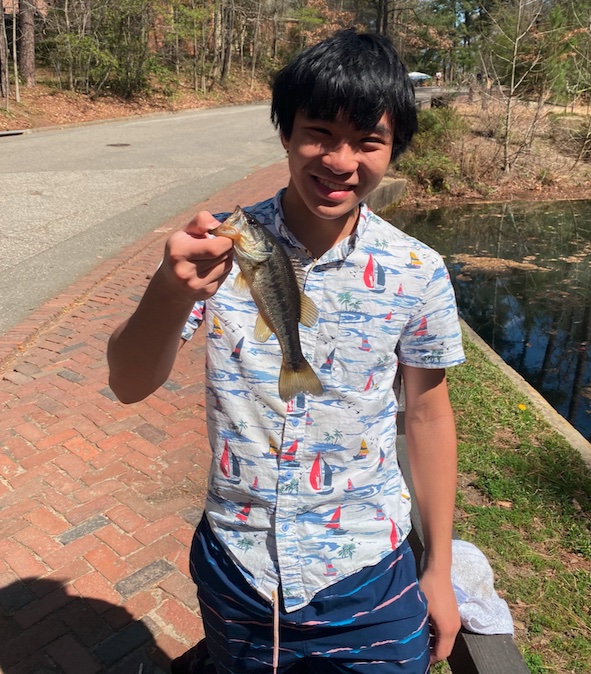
525	500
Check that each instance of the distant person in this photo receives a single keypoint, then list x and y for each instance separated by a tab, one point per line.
301	559
438	78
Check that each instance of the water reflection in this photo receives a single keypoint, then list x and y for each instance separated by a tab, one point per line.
522	275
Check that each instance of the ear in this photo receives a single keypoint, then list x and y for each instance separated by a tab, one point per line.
284	142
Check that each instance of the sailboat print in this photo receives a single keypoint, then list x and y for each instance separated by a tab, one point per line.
216	332
422	329
330	570
363	451
393	535
369	383
400	290
379	517
327	366
290	454
242	516
335	522
374	276
229	464
381	459
388	316
196	316
297	406
255	485
321	476
236	353
273	452
350	486
364	343
415	261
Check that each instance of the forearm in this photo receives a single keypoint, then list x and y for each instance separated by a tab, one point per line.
433	463
142	351
431	441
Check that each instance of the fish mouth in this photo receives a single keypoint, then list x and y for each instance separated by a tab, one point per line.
230	228
336	187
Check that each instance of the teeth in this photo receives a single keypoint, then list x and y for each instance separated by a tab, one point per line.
334	186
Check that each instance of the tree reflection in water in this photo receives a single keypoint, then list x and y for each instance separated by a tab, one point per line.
522	274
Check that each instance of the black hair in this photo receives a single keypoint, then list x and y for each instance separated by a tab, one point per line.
355	74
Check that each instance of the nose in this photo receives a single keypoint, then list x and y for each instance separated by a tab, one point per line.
341	159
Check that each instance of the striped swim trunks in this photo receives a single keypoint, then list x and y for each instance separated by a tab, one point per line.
373	621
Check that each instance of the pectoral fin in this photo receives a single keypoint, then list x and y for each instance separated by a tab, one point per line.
308	312
240	284
262	331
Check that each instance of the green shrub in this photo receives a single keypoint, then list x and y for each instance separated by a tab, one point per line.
431	169
427	162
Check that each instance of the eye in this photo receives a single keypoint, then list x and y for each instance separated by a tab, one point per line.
372	142
319	130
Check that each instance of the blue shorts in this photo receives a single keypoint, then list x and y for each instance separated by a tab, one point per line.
374	620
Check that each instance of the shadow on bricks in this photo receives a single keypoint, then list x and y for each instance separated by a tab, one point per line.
78	635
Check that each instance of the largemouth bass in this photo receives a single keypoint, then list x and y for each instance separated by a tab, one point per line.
266	270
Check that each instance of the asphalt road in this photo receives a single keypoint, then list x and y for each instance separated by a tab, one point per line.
71	197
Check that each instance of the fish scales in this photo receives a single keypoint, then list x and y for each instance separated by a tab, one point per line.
278	299
267	271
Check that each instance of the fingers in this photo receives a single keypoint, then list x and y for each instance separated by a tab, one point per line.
201	224
194	262
443	614
445	627
442	645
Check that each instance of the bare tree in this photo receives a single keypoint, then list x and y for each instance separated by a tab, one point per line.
4	77
26	19
17	94
515	55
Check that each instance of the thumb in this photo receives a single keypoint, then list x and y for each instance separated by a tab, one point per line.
201	224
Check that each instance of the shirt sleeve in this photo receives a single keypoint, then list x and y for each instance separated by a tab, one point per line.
432	338
195	319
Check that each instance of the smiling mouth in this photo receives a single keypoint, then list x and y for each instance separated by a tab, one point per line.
335	186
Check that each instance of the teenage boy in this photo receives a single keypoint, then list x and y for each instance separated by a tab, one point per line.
301	559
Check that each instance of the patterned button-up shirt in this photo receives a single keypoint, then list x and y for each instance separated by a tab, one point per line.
308	492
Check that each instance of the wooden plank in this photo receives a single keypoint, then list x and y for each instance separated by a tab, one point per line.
486	654
472	653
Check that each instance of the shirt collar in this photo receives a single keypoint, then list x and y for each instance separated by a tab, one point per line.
338	252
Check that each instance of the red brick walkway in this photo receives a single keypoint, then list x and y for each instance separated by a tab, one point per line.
98	500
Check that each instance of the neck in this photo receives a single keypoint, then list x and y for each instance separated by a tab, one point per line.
318	234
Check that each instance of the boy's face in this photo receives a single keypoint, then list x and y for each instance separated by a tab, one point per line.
334	166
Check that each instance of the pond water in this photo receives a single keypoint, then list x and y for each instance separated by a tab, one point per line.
522	274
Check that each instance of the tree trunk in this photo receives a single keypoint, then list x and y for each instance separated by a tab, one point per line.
26	17
255	43
17	93
228	32
4	79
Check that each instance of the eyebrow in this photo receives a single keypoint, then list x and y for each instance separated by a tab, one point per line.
382	129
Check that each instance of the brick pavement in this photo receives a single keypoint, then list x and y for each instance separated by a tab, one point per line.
99	500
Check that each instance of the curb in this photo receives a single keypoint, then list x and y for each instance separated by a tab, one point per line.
558	422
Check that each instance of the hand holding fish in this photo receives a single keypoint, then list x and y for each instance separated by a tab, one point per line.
195	264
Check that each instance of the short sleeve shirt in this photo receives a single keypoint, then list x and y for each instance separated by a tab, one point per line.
307	492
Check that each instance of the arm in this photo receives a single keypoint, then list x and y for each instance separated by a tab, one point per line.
431	441
142	350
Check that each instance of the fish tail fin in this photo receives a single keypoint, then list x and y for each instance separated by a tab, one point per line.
301	379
